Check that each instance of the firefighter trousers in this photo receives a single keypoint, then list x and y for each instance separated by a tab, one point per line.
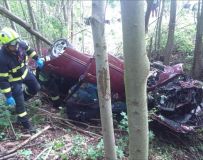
31	88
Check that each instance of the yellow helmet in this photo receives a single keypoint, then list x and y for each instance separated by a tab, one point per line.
8	35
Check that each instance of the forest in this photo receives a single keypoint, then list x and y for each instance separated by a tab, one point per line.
119	79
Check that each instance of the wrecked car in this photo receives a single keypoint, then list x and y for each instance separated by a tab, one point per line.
176	98
69	75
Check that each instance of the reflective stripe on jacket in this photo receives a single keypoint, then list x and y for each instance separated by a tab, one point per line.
13	66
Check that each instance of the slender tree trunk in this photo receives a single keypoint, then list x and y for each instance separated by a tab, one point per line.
147	14
71	26
34	23
65	12
170	40
24	14
159	25
81	21
42	15
156	36
157	28
26	19
136	72
68	4
23	11
103	77
197	68
8	8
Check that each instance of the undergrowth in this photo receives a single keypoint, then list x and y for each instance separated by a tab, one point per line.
161	147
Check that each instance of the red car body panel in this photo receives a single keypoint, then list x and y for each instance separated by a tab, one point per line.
72	64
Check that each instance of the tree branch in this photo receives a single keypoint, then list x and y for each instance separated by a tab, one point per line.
24	143
6	13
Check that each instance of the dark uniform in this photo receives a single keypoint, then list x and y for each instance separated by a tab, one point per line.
50	82
14	72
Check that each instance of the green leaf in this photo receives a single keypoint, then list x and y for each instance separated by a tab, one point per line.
4	122
25	153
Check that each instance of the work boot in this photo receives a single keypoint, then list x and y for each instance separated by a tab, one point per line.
24	121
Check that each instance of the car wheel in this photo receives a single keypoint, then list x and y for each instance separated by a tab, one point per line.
59	47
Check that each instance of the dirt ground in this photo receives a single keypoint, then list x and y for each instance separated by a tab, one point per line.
57	137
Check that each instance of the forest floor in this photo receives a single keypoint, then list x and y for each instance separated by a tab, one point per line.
59	138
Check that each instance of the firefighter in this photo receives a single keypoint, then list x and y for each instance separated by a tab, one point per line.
14	73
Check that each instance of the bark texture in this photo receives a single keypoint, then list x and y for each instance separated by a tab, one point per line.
136	72
171	30
197	68
159	25
147	14
103	78
34	24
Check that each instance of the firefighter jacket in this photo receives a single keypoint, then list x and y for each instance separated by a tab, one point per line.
13	66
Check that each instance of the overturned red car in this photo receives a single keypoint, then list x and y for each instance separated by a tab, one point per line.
175	98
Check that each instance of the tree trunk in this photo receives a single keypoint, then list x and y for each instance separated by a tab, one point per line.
8	8
147	14
136	72
156	29
82	21
197	68
65	12
170	40
42	15
71	25
159	26
103	77
26	19
19	21
34	23
68	5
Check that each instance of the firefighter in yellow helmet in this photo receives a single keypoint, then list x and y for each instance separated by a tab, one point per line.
14	73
